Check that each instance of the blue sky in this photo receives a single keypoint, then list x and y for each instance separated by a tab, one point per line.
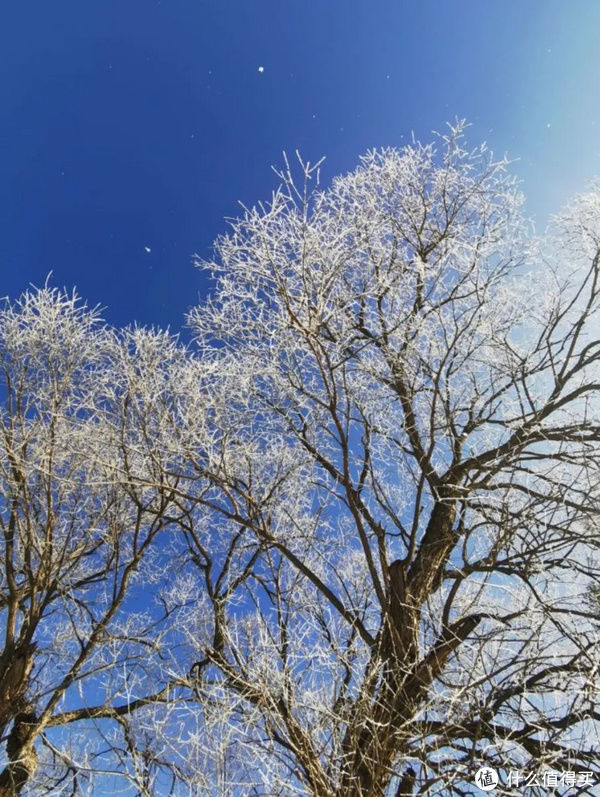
128	124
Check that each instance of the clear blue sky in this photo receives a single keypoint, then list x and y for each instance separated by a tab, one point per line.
128	124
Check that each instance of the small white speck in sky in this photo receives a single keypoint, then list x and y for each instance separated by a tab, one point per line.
261	69
147	249
548	125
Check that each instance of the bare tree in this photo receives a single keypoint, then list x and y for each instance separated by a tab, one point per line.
394	464
81	542
348	546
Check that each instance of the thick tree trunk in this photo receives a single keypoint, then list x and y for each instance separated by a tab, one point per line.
15	667
21	755
16	664
405	679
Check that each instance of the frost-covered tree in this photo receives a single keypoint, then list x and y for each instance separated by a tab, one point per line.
347	544
85	507
394	462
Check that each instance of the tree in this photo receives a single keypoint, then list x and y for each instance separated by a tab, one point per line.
395	473
84	499
347	544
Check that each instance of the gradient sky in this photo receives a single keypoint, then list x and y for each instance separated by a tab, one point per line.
128	124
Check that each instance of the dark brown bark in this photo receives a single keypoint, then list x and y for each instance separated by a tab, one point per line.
407	784
21	754
405	677
16	664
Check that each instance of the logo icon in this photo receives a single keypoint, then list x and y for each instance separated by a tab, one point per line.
486	779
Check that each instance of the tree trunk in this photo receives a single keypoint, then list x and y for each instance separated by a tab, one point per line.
15	667
16	664
21	755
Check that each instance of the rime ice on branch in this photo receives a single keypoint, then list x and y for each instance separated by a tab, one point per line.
362	509
400	534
